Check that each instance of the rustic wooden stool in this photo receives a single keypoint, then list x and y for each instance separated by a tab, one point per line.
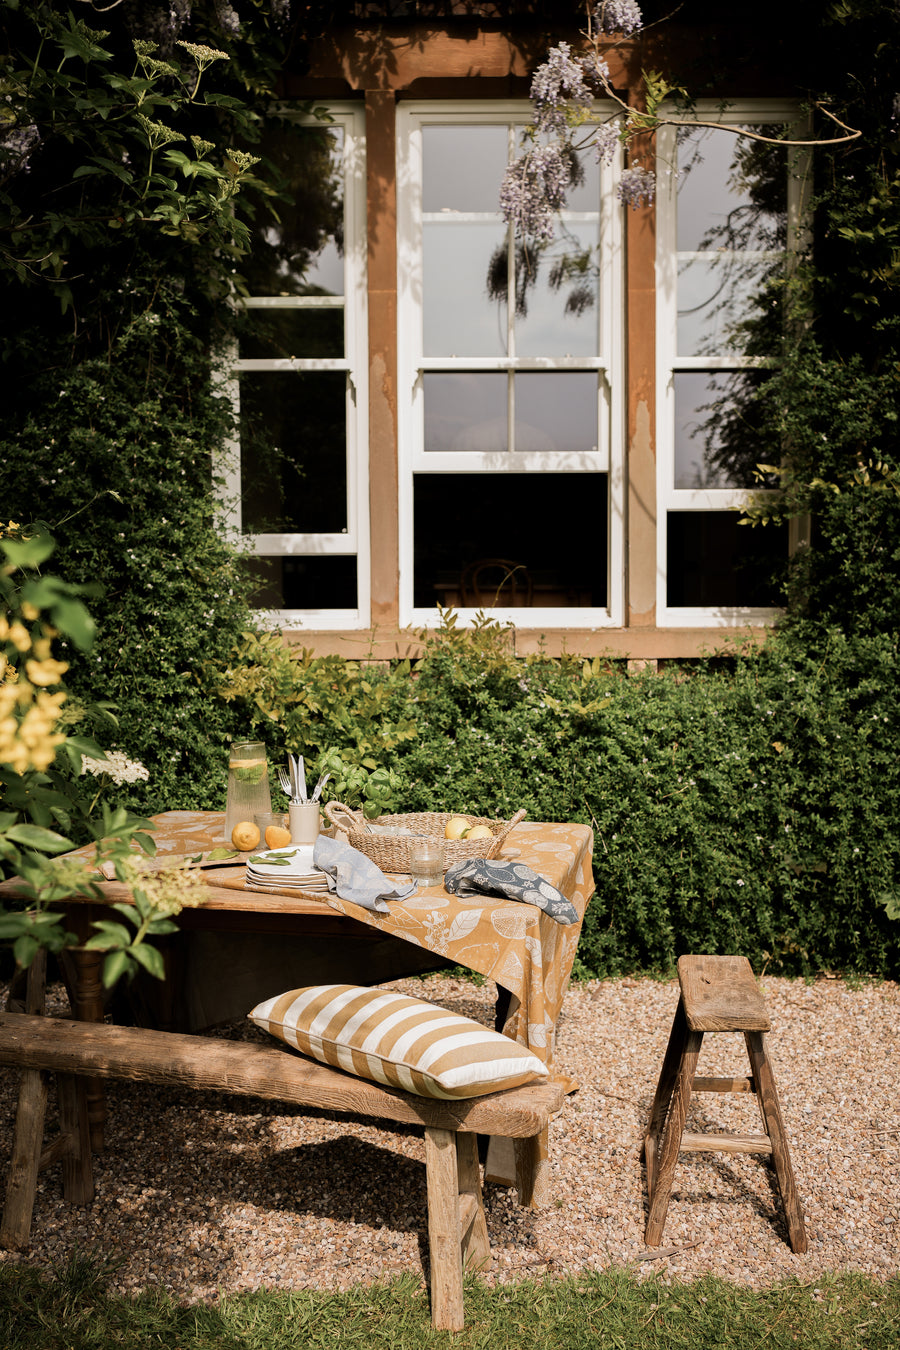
718	993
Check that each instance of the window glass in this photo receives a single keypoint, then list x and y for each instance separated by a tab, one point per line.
268	334
716	295
496	540
293	452
559	311
463	167
715	562
286	582
466	411
460	318
556	411
301	252
717	437
732	192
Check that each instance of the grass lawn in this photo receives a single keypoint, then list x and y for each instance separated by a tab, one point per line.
71	1310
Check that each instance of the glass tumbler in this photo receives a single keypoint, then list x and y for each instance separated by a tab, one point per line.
248	784
426	861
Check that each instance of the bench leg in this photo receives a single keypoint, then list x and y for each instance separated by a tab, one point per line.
77	1168
770	1110
665	1173
663	1095
25	1163
476	1247
444	1230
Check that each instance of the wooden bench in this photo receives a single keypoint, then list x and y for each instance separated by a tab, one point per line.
718	993
74	1051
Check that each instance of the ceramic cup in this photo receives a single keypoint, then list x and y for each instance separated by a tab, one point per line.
304	818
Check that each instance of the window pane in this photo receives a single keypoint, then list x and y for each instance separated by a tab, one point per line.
463	167
556	411
301	253
716	293
303	582
293	452
466	412
460	319
267	334
558	309
732	192
541	538
714	561
718	442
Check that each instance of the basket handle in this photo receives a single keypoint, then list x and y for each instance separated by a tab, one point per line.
501	835
344	818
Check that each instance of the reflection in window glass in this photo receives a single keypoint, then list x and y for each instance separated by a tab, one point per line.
717	429
268	334
464	522
561	310
466	411
714	561
732	192
459	318
462	167
302	252
556	411
303	582
715	295
293	452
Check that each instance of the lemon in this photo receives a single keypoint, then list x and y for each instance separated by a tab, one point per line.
277	836
478	832
245	835
248	770
456	827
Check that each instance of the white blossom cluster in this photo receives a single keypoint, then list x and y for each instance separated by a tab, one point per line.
116	766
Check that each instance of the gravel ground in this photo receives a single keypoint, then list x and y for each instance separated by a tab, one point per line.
199	1193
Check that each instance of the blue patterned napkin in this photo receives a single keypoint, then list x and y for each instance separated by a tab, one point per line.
353	876
510	881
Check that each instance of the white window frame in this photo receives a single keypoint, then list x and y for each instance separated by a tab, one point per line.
413	364
355	539
748	112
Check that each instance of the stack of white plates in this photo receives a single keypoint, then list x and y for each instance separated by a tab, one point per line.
286	869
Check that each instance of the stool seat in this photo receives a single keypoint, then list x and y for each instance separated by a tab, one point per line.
718	993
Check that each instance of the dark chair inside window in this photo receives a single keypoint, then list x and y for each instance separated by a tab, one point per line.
496	582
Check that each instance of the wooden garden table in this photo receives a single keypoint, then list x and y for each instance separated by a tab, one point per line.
245	944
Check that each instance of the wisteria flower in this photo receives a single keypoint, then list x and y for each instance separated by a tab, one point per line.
636	186
619	16
558	81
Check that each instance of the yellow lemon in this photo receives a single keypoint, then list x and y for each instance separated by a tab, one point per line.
478	832
277	836
456	827
245	835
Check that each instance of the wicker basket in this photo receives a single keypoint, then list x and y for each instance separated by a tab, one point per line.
391	852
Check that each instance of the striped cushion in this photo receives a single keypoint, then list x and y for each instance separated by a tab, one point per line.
399	1041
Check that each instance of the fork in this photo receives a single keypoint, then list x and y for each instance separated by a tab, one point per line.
285	782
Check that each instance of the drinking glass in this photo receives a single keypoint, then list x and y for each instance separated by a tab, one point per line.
426	861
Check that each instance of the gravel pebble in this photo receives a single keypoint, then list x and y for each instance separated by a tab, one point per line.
198	1193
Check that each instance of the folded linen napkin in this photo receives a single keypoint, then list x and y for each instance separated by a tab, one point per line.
510	881
353	876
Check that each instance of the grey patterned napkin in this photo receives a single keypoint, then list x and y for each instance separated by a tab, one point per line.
353	876
510	881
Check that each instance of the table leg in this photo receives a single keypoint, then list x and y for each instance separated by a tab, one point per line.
86	995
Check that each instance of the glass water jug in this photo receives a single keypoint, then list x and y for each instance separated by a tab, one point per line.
248	784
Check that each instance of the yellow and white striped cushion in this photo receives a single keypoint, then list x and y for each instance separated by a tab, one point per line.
401	1042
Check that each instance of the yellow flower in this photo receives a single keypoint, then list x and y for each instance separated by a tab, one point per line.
46	672
29	611
18	635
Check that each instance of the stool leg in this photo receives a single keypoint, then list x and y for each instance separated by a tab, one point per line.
681	1096
667	1075
770	1111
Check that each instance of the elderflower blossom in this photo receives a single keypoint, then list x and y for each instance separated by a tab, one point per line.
619	16
116	766
204	56
157	132
166	891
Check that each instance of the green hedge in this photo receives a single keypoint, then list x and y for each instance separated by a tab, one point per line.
745	804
